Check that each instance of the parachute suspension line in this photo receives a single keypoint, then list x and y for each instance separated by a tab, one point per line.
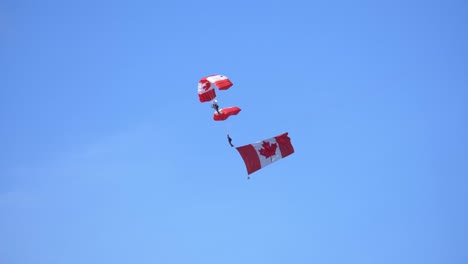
227	126
227	129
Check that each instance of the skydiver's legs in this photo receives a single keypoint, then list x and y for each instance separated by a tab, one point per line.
230	140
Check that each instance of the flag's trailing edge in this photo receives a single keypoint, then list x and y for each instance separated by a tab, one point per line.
265	152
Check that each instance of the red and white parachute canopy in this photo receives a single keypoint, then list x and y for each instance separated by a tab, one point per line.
225	113
206	86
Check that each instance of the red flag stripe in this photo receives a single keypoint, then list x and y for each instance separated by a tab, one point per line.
285	145
207	96
223	84
250	157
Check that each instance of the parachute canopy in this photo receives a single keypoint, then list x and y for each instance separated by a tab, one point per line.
265	152
207	85
226	112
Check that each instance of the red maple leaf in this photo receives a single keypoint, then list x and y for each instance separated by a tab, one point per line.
205	85
268	149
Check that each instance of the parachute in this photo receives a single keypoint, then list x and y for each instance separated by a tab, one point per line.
225	113
206	86
207	92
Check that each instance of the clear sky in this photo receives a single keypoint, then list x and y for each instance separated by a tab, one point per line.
109	157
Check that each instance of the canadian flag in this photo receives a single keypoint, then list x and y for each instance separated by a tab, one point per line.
265	152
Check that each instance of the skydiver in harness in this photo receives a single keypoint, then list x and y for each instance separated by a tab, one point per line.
215	106
230	140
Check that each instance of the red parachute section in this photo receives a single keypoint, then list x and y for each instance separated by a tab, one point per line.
225	113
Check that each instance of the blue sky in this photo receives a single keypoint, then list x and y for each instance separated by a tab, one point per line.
109	157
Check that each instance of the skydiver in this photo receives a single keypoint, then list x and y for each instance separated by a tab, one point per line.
230	140
216	106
